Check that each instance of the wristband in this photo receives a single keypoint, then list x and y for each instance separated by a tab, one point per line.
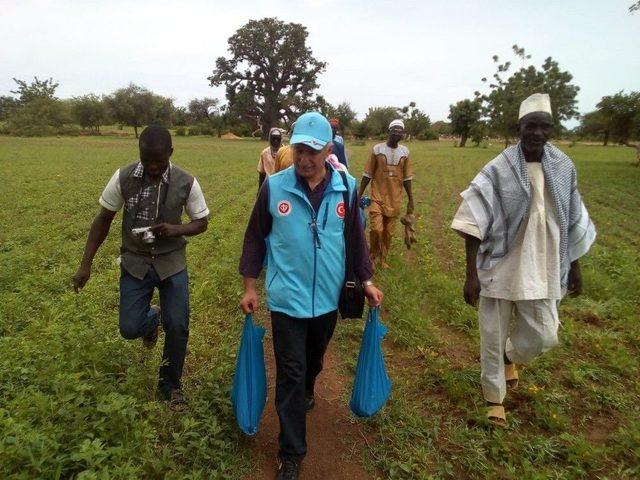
366	283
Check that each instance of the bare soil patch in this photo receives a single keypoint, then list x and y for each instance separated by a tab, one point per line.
230	136
456	346
587	317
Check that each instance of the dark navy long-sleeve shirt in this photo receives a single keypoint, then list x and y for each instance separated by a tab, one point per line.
254	248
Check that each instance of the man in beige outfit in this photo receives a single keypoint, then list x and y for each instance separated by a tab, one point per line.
389	171
525	227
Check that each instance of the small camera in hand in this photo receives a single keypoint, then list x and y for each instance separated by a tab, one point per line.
145	234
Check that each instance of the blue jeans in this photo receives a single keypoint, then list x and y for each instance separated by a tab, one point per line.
137	319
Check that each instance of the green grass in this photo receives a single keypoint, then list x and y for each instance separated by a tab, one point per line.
77	401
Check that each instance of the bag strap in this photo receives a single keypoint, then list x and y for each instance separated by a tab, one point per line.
349	273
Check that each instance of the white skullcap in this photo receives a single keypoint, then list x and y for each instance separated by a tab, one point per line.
275	131
538	102
396	123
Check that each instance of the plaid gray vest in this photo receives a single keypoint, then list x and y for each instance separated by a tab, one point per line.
166	255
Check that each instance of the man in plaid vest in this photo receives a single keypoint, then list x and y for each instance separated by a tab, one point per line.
154	194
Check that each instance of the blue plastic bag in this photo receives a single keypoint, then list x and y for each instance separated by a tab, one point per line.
249	392
372	385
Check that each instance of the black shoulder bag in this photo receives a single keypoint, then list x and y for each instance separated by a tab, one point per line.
351	303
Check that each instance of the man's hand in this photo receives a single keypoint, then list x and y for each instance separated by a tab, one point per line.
97	233
166	230
81	277
249	302
410	207
471	289
374	295
575	280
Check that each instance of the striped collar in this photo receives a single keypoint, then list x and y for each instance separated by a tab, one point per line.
139	172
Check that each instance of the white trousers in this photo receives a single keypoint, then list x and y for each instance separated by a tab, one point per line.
534	331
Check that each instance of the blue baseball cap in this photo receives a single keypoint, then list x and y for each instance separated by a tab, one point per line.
312	129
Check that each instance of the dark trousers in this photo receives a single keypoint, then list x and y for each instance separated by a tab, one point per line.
137	319
299	345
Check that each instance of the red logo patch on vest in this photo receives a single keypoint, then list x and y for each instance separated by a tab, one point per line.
340	209
284	208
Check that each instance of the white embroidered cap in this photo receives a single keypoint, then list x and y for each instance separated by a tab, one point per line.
396	123
538	102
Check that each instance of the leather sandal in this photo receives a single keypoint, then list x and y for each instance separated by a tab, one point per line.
496	415
511	375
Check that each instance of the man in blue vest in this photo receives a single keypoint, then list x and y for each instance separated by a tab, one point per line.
297	225
153	193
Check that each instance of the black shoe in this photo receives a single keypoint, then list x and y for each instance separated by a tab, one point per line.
175	397
309	402
288	468
151	338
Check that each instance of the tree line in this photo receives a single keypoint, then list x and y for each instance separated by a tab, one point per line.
270	78
34	110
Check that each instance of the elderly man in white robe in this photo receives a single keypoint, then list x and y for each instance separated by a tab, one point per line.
525	227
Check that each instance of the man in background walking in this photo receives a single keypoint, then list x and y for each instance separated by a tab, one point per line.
266	163
389	171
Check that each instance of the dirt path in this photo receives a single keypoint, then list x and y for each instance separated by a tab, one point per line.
334	442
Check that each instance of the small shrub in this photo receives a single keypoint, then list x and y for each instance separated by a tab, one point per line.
70	130
241	130
427	135
35	130
193	131
181	132
205	129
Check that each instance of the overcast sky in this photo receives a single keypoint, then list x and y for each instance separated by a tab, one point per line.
378	52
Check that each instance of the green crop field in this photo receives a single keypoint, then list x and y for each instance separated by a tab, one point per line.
77	401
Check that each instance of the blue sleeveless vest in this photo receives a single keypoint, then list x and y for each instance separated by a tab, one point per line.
305	249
